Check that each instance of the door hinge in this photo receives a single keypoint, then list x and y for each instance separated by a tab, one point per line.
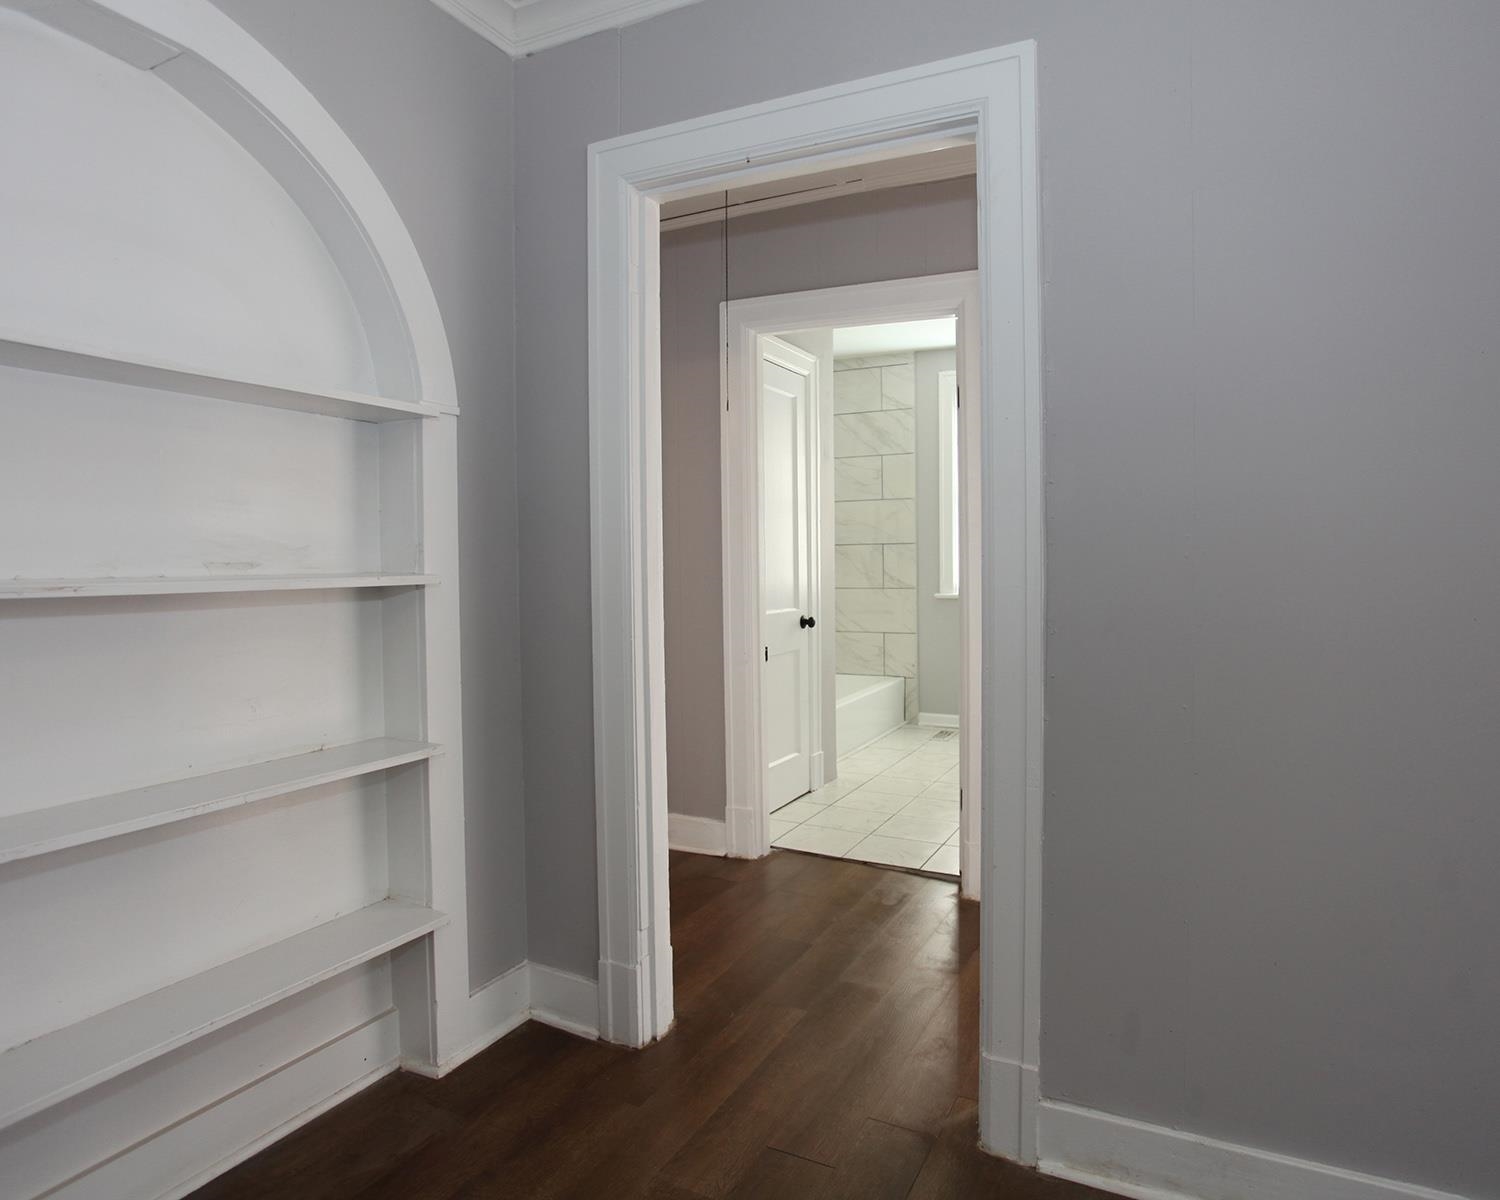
958	397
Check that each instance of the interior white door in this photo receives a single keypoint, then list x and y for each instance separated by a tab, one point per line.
788	507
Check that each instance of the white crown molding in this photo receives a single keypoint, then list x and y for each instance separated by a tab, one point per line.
522	27
493	20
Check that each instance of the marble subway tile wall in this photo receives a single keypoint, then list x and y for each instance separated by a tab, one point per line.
875	520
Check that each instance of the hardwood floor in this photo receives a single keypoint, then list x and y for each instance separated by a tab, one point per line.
826	1048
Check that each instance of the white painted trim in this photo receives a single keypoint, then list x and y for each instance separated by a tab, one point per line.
521	27
80	362
42	1073
251	1149
697	835
1151	1162
215	65
565	1001
543	23
938	720
747	812
741	322
971	464
141	1168
37	831
1008	1092
198	585
492	1011
241	86
527	992
992	93
740	829
493	20
219	68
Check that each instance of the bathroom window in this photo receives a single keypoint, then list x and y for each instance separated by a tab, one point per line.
947	390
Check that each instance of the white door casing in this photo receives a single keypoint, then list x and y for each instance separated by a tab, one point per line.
788	567
992	95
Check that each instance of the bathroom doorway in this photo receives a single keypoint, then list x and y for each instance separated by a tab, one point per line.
890	502
988	98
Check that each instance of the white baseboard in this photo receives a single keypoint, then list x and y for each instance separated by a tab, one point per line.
938	720
185	1154
968	888
527	992
1151	1162
497	1008
627	1015
1009	1089
564	1000
182	1157
740	835
252	1147
696	835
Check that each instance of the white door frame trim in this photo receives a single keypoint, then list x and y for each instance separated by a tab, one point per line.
993	94
741	323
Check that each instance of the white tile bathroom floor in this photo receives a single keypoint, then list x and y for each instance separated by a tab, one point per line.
894	803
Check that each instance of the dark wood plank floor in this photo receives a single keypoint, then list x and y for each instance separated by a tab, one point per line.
826	1048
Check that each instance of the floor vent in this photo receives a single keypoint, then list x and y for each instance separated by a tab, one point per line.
945	735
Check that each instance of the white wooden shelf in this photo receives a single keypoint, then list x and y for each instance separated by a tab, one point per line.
44	830
188	585
47	1070
81	363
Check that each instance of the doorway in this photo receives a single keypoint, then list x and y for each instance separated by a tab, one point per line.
891	791
989	96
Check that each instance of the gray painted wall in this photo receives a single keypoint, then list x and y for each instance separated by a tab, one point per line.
1271	288
940	682
430	107
921	230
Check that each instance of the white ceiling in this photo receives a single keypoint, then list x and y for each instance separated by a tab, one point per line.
899	336
525	26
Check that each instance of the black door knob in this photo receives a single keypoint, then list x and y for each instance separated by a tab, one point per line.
809	622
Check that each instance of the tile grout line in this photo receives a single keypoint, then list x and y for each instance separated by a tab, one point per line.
902	754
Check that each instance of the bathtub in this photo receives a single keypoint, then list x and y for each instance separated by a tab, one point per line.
868	706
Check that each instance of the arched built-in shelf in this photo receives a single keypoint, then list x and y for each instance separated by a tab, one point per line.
193	585
81	363
49	1069
46	830
307	297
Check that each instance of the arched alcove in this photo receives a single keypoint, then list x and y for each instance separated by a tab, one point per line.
137	228
231	844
